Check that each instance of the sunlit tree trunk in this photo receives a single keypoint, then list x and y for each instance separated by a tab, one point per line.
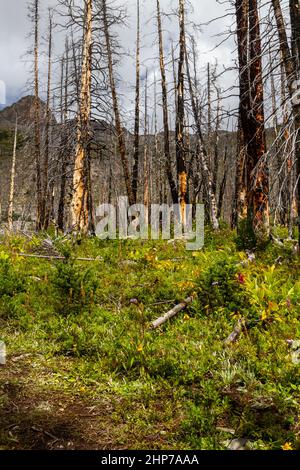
12	181
80	199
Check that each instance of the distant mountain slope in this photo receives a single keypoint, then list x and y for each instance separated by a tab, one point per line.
24	109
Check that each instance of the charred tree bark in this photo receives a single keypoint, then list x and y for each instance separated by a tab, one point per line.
167	152
292	74
136	153
180	150
242	13
37	136
257	168
295	23
48	188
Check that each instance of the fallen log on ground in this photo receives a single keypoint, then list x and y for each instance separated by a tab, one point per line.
236	333
178	308
62	258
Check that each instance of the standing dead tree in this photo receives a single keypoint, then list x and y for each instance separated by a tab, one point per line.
252	170
290	58
80	210
167	152
118	125
136	153
201	150
180	149
48	188
12	181
37	132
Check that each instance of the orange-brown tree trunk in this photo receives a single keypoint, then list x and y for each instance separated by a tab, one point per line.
180	149
80	199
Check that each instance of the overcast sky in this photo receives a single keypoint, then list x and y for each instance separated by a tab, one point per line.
14	41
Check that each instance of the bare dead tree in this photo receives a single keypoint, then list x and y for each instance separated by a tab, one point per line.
180	149
167	152
48	189
119	128
80	200
12	181
135	171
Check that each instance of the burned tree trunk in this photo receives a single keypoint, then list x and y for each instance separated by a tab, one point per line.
167	152
180	150
12	181
80	204
136	153
242	11
118	125
48	189
37	136
291	62
257	168
295	23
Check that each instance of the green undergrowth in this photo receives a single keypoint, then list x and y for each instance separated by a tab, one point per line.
89	322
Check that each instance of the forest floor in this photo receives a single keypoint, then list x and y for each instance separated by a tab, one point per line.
84	369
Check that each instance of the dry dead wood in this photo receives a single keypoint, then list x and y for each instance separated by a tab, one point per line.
178	308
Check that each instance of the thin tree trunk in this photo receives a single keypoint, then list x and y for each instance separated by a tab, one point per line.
64	157
242	13
167	152
295	23
203	153
258	194
291	69
48	189
209	120
146	148
135	172
12	181
180	150
216	143
37	137
119	129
